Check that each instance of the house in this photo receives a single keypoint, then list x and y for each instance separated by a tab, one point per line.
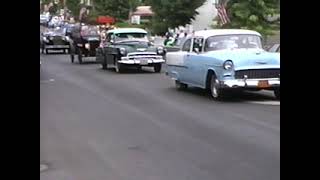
142	14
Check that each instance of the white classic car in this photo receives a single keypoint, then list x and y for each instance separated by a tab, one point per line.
225	59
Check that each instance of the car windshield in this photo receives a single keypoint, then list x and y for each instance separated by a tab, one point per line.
130	36
89	31
59	31
214	43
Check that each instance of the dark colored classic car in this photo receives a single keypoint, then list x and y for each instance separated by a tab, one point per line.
54	40
85	40
129	47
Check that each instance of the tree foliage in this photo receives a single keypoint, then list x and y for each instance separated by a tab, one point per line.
119	9
74	7
172	13
253	14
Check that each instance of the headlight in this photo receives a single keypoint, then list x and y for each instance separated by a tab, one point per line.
160	50
45	39
67	38
87	46
227	65
122	51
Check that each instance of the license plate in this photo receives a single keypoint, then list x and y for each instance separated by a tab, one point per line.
144	61
263	84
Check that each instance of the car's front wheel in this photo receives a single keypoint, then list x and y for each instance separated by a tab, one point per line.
216	92
157	68
72	58
71	51
80	56
119	68
104	65
277	93
42	49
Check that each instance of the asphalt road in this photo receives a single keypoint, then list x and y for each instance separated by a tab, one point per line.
100	125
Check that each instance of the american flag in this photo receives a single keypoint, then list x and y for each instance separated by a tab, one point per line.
222	13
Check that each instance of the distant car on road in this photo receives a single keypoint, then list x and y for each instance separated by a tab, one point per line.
224	60
54	39
44	19
130	47
85	40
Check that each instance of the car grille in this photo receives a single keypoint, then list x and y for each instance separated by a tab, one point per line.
258	73
58	40
143	55
94	45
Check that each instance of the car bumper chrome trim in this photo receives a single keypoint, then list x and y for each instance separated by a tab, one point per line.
140	62
57	46
249	83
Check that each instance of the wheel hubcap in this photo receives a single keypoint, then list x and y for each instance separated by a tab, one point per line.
214	90
117	68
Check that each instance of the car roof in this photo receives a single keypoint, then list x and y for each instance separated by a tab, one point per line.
127	30
217	32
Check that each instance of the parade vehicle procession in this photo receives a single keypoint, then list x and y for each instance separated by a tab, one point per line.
221	61
166	90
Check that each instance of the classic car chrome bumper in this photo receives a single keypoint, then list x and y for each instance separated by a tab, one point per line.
251	83
141	60
57	46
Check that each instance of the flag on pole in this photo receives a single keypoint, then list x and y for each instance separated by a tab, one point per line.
222	13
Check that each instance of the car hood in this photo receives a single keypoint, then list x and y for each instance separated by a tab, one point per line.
243	58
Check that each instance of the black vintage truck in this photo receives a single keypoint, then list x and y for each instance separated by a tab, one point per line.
85	40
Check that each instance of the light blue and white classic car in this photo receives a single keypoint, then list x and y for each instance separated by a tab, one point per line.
223	60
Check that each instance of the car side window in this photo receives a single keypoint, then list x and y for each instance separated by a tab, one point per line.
186	46
197	44
109	37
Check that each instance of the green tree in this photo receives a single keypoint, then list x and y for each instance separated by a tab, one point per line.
74	7
47	1
119	9
53	9
253	14
172	13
